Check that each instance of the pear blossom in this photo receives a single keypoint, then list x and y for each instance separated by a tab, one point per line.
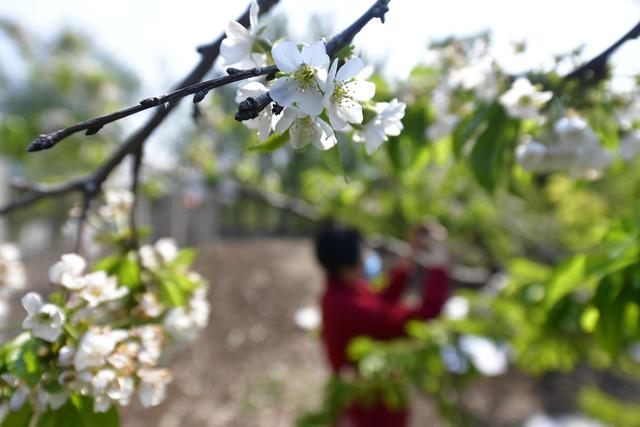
95	345
306	73
99	288
524	100
184	323
442	127
108	387
118	204
265	118
44	320
163	252
480	77
630	146
150	305
68	271
387	122
65	355
305	129
531	155
54	401
153	385
238	45
343	93
12	273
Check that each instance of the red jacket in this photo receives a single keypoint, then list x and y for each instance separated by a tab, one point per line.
349	312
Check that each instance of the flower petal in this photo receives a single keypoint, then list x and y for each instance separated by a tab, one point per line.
299	135
350	111
360	90
234	50
235	30
349	70
286	56
315	54
284	91
337	122
32	302
286	119
310	101
254	9
327	136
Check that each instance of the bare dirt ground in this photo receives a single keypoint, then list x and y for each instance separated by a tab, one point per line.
253	367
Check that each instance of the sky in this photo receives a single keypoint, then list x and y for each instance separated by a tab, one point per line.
156	39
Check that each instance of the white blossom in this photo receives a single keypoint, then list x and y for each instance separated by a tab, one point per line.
68	271
387	122
237	47
152	387
305	129
65	355
99	288
524	100
44	320
118	204
531	155
306	73
185	323
95	346
343	94
163	252
264	120
630	146
150	305
480	77
12	273
442	127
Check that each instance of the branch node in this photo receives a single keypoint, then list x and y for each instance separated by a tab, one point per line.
199	96
93	130
231	71
277	108
154	100
250	108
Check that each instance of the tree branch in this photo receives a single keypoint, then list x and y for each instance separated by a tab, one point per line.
35	193
595	70
135	181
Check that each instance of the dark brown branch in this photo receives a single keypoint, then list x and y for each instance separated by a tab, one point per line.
82	220
251	107
596	69
94	181
135	184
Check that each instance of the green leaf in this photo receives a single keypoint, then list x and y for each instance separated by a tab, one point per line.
186	257
23	362
84	408
332	159
128	273
487	155
108	264
467	128
171	293
566	277
19	418
272	143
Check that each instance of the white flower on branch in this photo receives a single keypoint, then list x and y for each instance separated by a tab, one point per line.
524	100
237	47
387	122
264	121
95	346
185	323
44	320
479	77
12	274
306	73
153	385
305	129
99	288
630	146
118	204
343	94
531	155
163	252
150	305
68	271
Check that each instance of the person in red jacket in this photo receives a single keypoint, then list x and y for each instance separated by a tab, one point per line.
350	308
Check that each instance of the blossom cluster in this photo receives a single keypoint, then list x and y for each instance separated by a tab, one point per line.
319	96
554	140
12	274
103	333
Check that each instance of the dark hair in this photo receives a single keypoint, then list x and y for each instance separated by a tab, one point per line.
337	247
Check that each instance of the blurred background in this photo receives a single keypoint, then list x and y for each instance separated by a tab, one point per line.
251	214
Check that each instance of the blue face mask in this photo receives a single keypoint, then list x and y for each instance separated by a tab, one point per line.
372	265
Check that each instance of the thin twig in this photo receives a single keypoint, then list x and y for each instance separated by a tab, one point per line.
82	220
135	181
35	193
596	69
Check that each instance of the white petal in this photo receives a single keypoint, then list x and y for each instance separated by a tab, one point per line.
32	302
315	54
234	30
350	111
264	127
349	70
251	89
331	76
234	50
298	135
310	101
360	90
286	56
254	9
337	122
327	136
286	119
284	91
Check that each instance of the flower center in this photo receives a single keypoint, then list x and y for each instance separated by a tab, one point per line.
339	93
525	100
305	76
